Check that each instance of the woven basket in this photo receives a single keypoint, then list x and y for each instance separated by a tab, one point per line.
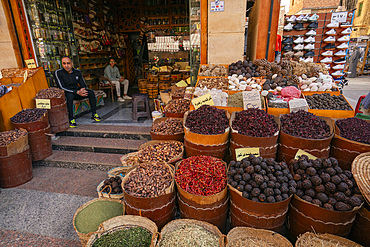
101	194
361	173
171	161
122	222
85	237
255	237
180	222
327	240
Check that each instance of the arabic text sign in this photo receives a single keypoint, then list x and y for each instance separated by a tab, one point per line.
242	153
203	100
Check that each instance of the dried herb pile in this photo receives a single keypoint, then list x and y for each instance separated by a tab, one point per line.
305	125
201	175
207	120
354	129
189	235
130	237
254	122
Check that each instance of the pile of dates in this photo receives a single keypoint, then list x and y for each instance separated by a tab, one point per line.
324	183
177	106
28	115
169	126
160	152
354	129
11	136
254	122
207	120
325	101
262	179
305	125
51	92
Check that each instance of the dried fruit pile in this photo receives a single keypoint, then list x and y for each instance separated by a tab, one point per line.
112	185
354	129
28	115
305	125
149	180
262	179
254	122
207	120
324	183
10	136
50	92
169	126
160	152
212	70
177	106
327	102
217	83
201	175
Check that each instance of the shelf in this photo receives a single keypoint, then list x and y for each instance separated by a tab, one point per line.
79	9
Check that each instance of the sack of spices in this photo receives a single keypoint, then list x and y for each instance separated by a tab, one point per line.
127	231
184	232
161	151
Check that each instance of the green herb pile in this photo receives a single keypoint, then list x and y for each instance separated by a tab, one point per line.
130	237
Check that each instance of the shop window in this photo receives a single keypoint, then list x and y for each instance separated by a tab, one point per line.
360	9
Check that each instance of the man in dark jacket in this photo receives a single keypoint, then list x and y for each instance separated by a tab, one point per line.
74	86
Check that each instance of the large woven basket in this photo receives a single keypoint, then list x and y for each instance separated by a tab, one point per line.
122	222
85	237
328	240
171	161
255	237
361	173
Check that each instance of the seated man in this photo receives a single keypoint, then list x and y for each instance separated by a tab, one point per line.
112	72
74	86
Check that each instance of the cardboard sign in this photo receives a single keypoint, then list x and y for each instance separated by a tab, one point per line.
203	100
339	16
301	152
43	103
298	104
182	83
251	99
25	76
30	63
242	153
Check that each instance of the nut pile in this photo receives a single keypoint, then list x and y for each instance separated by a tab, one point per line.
28	115
112	184
305	125
354	129
201	175
217	83
179	92
327	102
207	120
170	126
262	179
177	106
324	183
149	180
160	152
10	136
254	122
51	92
212	70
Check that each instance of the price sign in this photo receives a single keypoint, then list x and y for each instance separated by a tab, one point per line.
30	63
251	99
203	100
25	76
182	83
301	152
298	104
43	103
242	153
339	16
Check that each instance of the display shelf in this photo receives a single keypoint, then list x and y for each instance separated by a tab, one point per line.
85	11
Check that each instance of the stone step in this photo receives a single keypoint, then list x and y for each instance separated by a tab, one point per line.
109	131
97	145
81	160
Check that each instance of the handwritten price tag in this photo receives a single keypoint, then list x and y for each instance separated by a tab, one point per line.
301	152
242	153
43	103
251	99
203	100
30	63
182	83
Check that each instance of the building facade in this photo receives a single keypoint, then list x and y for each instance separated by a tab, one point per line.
312	6
361	19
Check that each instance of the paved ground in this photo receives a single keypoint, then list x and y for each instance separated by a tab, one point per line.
356	87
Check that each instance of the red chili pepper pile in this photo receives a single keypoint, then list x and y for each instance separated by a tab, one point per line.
201	175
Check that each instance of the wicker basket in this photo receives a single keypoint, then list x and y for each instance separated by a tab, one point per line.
83	236
328	240
101	194
361	173
122	222
174	159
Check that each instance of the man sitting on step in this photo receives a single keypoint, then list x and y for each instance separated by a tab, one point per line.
75	88
112	72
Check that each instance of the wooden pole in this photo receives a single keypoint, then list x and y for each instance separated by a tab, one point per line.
203	31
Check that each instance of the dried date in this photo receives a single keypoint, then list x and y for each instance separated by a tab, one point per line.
28	115
169	126
10	136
